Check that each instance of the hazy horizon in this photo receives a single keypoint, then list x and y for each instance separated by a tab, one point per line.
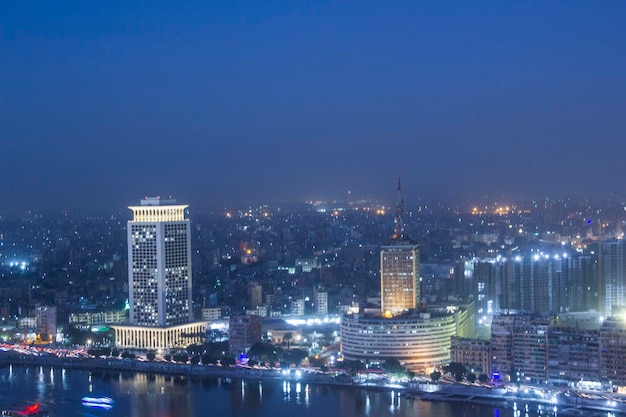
222	104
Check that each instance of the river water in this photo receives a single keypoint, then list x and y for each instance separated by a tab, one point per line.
60	392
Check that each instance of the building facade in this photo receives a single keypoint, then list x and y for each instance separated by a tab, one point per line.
474	354
613	269
530	350
399	278
46	323
321	303
159	338
244	331
573	355
89	318
613	351
420	342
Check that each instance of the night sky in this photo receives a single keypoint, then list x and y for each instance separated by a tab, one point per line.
218	103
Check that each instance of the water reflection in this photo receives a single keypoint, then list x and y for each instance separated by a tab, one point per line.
139	395
247	399
155	395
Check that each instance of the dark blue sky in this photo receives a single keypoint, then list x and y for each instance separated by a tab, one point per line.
102	103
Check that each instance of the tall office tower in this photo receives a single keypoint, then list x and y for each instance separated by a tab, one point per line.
613	275
399	269
159	264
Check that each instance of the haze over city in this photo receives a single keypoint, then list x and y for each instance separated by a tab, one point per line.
313	208
239	102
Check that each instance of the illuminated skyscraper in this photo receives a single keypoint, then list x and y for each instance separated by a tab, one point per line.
399	269
159	264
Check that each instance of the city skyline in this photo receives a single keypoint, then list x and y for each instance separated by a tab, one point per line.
250	103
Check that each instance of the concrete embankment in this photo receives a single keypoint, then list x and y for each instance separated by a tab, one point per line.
168	368
568	405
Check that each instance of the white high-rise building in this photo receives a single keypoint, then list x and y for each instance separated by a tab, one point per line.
159	264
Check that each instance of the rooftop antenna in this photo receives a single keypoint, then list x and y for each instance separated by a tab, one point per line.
398	223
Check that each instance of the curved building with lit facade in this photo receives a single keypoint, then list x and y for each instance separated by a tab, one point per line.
420	342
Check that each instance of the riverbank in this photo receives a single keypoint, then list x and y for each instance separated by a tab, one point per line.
568	403
497	397
168	368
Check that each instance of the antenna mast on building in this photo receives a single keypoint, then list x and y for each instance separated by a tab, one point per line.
398	229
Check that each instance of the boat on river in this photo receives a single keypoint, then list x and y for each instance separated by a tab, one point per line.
33	410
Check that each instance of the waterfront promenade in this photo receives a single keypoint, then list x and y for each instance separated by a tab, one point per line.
171	368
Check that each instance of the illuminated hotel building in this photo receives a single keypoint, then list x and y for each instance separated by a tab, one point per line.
399	270
159	276
159	264
419	341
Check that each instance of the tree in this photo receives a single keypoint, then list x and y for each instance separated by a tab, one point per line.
295	356
483	378
128	355
471	377
435	376
180	358
457	370
196	349
265	352
354	366
288	337
195	359
393	366
93	352
227	361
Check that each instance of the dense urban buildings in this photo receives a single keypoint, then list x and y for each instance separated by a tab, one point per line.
517	268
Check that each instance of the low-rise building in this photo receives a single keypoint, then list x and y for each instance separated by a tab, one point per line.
99	317
244	331
474	354
573	355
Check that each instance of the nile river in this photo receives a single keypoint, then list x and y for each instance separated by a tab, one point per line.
141	395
